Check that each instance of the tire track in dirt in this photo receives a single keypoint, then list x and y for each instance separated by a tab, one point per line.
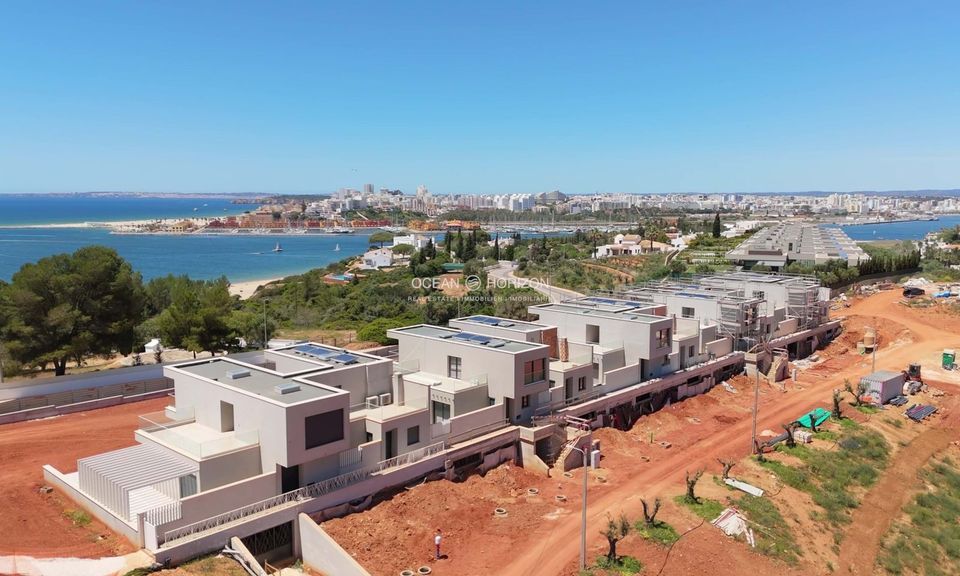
883	503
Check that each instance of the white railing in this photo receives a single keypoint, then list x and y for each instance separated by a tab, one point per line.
163	514
299	495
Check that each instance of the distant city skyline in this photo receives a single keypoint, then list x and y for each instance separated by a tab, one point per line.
498	97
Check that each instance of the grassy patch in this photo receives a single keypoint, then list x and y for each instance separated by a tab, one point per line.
929	540
868	409
830	477
660	532
623	565
828	435
705	508
894	422
771	530
78	517
848	424
213	566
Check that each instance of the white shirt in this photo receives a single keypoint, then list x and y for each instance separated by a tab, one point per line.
436	539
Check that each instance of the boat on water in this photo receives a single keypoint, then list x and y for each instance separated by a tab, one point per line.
336	248
341	230
277	248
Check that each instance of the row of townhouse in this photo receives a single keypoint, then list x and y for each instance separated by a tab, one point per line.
307	427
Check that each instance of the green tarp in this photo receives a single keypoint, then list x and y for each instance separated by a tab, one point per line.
819	416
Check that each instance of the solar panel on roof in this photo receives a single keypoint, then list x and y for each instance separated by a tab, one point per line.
486	320
315	351
345	359
479	339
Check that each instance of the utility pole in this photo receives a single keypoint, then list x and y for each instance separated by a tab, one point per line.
264	323
583	512
876	342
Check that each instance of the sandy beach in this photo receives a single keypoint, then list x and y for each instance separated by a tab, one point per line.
246	289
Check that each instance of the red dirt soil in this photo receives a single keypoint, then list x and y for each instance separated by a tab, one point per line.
33	524
699	430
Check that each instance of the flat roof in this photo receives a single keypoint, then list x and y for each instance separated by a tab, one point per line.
498	322
257	381
462	337
627	314
323	356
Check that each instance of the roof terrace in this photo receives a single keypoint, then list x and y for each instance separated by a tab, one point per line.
461	337
258	381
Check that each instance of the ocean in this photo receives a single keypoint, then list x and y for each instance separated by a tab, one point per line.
900	230
239	257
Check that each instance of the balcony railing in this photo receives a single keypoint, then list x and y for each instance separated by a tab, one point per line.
299	495
537	376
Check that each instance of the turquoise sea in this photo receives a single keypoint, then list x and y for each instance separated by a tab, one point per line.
237	256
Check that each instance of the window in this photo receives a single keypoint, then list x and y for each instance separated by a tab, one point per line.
687	312
581	383
759	294
454	367
525	401
441	411
535	370
666	360
663	338
691	352
413	435
593	334
324	428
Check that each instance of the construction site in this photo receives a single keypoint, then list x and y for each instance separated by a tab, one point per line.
887	366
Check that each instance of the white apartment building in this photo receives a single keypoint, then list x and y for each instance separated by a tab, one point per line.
245	445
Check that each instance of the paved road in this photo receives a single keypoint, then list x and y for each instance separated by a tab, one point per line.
504	271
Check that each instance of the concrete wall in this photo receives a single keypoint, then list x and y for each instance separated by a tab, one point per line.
488	416
223	499
320	552
58	480
229	468
49	411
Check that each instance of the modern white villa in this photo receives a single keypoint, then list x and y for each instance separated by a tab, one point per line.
246	445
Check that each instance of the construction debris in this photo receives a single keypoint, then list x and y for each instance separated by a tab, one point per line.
728	387
743	486
732	523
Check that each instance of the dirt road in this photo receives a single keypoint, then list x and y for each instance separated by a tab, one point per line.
883	504
553	552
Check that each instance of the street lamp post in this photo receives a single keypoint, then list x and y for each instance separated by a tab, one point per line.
583	512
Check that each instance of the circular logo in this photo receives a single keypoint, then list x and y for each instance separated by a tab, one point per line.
472	282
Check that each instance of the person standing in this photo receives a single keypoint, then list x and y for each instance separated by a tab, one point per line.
436	541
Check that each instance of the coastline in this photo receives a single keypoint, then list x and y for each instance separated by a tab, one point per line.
246	288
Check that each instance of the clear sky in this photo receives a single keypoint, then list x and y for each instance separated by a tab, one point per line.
479	96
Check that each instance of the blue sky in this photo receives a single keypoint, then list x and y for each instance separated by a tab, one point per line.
479	97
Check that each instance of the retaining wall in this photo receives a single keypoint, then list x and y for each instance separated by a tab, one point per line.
322	553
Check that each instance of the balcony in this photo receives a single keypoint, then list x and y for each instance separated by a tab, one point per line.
194	440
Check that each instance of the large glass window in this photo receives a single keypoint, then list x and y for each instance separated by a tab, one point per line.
441	412
324	428
454	367
663	338
413	435
534	370
687	312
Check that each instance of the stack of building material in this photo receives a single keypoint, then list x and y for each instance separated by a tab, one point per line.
804	436
920	411
899	400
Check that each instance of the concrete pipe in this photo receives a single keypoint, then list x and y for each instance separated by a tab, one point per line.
533	491
500	512
568	474
407	573
424	570
560	498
